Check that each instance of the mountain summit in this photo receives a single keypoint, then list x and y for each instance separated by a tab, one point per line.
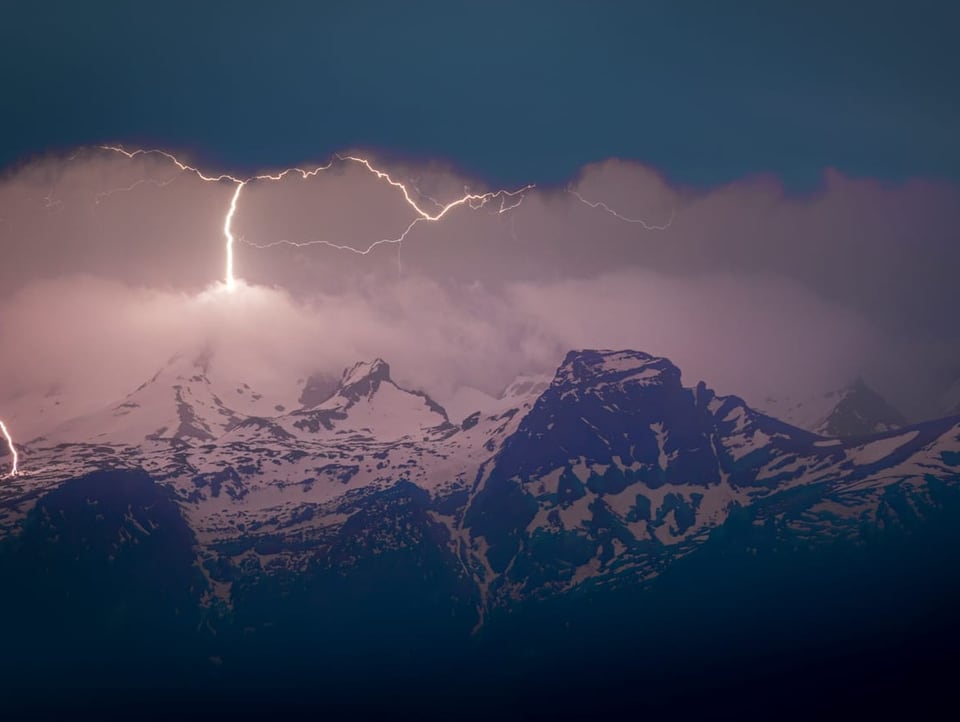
367	400
179	403
851	411
860	411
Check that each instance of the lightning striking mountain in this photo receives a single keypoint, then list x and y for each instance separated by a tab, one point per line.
424	208
13	449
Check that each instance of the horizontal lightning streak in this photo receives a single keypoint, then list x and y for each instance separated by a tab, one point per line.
173	159
604	207
133	186
474	202
509	200
471	200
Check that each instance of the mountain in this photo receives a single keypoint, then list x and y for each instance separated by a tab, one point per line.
854	410
67	412
467	402
860	411
316	389
366	399
615	452
609	508
180	403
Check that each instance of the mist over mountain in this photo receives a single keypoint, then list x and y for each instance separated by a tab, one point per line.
950	402
854	410
758	291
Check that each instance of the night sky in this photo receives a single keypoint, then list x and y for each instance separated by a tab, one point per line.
511	92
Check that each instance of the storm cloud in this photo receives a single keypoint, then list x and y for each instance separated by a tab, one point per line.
110	265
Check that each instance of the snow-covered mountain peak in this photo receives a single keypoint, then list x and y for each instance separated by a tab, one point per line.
186	400
199	371
367	400
183	366
363	379
591	368
173	405
853	410
860	411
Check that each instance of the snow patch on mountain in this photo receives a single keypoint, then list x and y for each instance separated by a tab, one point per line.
182	402
854	410
874	451
612	466
806	412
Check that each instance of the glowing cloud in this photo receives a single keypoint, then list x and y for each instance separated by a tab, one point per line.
508	201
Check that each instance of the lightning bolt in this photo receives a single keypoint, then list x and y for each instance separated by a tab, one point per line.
229	278
508	201
13	449
133	186
604	207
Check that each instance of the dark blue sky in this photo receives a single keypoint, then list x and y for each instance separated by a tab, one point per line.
510	91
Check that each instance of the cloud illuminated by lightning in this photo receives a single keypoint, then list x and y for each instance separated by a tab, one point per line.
133	186
508	201
12	447
502	201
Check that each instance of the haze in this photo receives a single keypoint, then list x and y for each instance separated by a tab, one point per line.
112	265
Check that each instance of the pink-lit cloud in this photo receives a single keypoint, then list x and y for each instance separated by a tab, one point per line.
109	265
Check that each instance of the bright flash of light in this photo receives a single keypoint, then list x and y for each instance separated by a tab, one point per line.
508	201
229	279
12	447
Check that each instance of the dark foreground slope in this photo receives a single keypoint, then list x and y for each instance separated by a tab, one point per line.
747	627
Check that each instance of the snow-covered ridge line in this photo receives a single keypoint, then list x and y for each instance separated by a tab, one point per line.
613	459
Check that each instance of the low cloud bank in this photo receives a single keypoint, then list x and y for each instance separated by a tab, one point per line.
110	266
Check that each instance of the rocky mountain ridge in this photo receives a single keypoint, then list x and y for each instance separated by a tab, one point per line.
606	476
